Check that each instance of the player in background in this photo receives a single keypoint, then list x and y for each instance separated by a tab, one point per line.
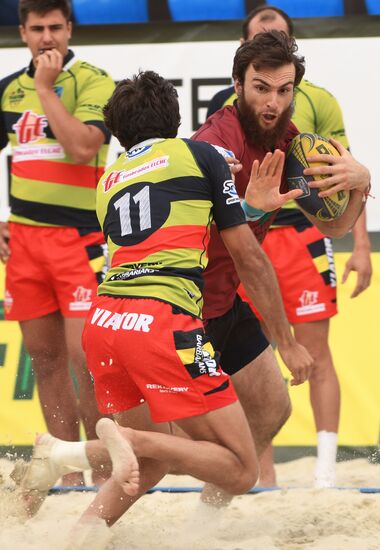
303	260
51	114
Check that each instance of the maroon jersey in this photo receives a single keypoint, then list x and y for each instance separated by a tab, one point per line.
221	280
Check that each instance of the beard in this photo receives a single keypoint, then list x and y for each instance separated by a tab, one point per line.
255	134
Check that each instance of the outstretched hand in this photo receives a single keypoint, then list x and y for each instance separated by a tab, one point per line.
263	191
341	173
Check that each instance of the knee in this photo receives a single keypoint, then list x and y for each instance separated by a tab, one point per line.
45	357
284	414
281	414
243	482
77	357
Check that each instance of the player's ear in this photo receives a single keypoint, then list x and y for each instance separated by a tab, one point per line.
21	29
238	87
242	40
70	28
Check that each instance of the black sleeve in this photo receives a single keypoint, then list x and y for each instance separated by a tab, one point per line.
227	211
3	85
218	100
3	132
3	129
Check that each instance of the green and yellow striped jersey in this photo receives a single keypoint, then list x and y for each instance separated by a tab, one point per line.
155	205
47	186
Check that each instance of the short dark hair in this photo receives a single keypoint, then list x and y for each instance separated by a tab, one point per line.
268	49
266	17
143	107
42	7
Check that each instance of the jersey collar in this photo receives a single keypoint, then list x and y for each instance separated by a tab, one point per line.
144	143
67	63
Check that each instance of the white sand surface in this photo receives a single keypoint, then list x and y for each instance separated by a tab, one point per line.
296	517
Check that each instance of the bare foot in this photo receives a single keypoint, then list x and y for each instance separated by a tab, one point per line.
125	466
267	481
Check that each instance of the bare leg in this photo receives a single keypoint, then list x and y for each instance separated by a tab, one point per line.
53	457
324	397
44	340
220	451
265	400
324	384
88	408
87	403
267	471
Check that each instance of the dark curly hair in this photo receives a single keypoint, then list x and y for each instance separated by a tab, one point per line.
268	49
143	107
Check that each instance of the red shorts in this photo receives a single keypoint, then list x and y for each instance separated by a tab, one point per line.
50	269
139	350
305	269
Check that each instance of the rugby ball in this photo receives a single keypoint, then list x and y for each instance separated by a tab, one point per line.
303	145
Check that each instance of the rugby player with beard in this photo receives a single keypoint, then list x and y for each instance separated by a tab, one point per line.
256	129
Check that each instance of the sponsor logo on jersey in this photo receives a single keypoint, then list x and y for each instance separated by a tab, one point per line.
167	389
230	190
36	152
138	151
58	90
126	321
309	303
82	299
119	176
133	274
330	259
16	96
206	364
226	153
30	127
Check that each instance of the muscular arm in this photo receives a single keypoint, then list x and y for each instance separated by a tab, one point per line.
341	226
329	123
80	141
259	279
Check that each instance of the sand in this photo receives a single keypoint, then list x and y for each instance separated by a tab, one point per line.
297	517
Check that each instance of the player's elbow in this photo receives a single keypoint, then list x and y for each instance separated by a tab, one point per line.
334	230
82	155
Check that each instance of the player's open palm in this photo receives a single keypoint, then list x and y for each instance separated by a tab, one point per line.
263	191
298	360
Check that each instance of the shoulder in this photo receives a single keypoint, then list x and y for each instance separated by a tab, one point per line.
204	151
314	93
4	82
222	128
324	105
87	70
220	99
